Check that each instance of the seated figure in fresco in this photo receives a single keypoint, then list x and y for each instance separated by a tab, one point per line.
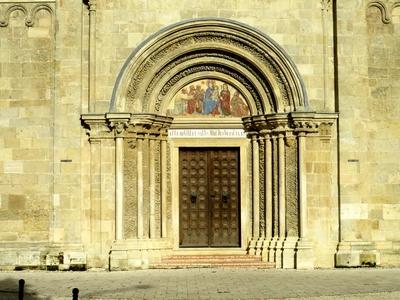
209	102
225	100
239	107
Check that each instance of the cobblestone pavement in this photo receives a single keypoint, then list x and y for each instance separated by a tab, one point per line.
207	284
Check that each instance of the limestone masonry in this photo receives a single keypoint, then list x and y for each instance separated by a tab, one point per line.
136	130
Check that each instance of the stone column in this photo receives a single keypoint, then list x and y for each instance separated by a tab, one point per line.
92	55
256	195
268	198
305	253
152	187
163	188
302	186
282	188
95	203
268	187
119	187
140	199
281	201
256	188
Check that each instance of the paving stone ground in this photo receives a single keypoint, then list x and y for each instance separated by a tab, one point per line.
207	284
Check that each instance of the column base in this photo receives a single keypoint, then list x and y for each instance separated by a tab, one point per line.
357	254
304	255
137	253
272	249
289	253
279	254
252	248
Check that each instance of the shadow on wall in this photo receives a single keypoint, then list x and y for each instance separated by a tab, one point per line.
9	290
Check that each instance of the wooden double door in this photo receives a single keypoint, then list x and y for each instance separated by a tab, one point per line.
209	193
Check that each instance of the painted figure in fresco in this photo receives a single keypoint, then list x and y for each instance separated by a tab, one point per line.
209	97
199	97
209	103
239	108
215	97
225	100
191	102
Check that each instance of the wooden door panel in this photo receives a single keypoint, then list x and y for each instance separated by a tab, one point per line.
209	197
224	183
194	225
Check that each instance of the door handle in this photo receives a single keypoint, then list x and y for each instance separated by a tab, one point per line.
225	197
193	197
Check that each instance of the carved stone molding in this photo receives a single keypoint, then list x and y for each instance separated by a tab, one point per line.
216	48
126	125
386	9
296	123
91	4
30	10
326	5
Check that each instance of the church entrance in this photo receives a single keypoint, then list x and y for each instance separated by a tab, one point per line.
209	197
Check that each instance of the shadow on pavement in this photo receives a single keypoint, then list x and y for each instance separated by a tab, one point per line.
9	290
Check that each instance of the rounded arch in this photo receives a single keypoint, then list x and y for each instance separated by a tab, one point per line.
216	48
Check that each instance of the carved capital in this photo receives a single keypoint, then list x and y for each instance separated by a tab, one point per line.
326	5
118	122
125	125
96	126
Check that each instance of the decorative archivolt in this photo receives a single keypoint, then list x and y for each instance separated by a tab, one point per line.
218	49
30	10
385	9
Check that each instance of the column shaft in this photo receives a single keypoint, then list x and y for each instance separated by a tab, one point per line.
256	188
152	186
282	188
302	187
268	187
119	187
140	220
164	188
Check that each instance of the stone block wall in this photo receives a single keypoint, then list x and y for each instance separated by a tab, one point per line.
297	26
369	136
48	192
26	133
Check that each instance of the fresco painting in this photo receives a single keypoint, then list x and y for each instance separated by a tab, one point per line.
208	97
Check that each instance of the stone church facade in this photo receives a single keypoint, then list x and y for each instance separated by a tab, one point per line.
136	130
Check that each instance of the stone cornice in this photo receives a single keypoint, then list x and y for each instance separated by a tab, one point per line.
295	122
111	125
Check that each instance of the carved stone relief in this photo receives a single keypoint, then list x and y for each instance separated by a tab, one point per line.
130	194
30	11
229	49
292	200
262	187
385	8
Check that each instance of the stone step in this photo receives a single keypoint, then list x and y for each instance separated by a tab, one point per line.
212	261
213	265
212	258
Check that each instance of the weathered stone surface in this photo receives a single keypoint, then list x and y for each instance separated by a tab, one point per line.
58	189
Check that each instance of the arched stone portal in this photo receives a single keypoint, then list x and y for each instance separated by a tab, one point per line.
159	114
